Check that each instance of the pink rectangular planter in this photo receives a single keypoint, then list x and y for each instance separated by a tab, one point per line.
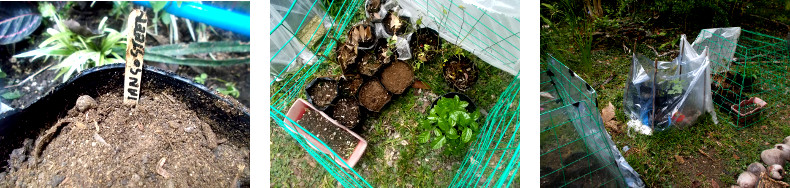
750	115
296	112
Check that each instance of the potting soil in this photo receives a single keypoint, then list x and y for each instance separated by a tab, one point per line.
323	93
461	74
397	77
373	96
159	143
338	139
347	112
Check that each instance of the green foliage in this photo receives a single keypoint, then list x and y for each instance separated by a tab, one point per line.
202	78
451	125
11	95
675	87
120	9
230	89
171	54
2	74
76	52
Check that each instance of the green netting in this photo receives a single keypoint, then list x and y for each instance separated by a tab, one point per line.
293	86
493	159
575	149
759	69
492	37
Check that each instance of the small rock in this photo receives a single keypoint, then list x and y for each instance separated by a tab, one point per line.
189	129
85	102
173	124
80	125
56	180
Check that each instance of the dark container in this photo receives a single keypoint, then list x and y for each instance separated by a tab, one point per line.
227	117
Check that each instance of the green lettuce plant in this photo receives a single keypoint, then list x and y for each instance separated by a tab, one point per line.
451	126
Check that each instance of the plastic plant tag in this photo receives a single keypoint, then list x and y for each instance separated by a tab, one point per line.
135	49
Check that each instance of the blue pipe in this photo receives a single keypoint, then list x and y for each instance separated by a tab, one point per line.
235	22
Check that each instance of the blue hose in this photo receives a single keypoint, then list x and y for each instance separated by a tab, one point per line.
235	22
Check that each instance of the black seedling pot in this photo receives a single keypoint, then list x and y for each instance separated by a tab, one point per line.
314	83
226	117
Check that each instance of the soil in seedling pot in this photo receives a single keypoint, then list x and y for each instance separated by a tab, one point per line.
460	72
373	95
421	38
749	107
349	84
103	143
397	77
347	112
338	139
322	92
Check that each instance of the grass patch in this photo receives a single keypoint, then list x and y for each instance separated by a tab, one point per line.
393	157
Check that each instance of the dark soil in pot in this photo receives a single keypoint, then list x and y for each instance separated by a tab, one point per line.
370	61
362	35
339	140
321	92
102	142
349	85
346	57
460	72
54	115
393	22
397	77
424	44
373	96
347	112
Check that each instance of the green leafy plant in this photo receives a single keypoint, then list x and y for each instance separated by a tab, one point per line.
675	87
230	89
11	95
202	78
77	52
450	125
173	54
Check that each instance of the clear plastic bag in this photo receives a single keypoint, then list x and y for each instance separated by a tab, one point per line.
289	53
660	95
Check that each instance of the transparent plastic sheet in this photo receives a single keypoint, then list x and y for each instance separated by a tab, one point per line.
483	31
402	45
714	39
588	153
660	94
288	52
506	7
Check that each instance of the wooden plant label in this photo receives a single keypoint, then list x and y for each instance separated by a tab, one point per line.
135	49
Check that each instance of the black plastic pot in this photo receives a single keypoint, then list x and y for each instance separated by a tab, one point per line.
463	60
226	117
315	81
364	45
470	108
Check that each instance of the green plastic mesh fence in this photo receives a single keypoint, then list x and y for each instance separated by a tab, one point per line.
491	36
575	148
293	84
757	67
493	159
